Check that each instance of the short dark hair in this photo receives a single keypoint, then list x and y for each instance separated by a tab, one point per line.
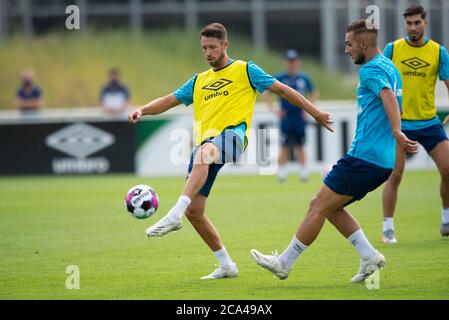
360	26
414	10
214	30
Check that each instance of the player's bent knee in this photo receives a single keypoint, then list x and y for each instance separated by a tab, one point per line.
208	153
313	205
316	207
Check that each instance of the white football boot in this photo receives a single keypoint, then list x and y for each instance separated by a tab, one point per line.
162	227
369	266
271	263
388	237
223	272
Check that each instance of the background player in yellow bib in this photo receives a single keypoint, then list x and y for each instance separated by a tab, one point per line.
223	100
420	60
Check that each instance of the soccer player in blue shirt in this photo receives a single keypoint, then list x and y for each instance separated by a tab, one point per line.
293	121
366	166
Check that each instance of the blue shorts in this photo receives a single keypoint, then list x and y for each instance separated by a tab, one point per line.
295	136
230	147
427	137
355	177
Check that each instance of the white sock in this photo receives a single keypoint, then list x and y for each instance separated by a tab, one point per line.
180	207
282	172
445	215
388	224
291	253
223	257
362	245
303	172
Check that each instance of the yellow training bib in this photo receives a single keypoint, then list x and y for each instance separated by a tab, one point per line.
419	70
221	99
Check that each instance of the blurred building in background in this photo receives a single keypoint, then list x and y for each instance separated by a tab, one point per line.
79	140
315	27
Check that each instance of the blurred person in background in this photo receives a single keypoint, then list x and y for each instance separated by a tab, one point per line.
114	96
293	120
28	97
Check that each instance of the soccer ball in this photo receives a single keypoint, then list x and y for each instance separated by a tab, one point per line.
141	201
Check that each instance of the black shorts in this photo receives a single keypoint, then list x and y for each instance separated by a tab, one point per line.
427	137
293	137
355	177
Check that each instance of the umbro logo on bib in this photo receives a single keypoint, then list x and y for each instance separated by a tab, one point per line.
217	84
415	63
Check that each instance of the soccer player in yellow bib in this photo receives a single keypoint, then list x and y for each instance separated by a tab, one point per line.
223	100
420	61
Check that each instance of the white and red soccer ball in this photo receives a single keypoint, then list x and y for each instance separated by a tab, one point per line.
141	201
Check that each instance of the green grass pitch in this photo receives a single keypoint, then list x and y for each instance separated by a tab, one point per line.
49	223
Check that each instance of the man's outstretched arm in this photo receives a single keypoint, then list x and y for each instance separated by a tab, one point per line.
294	97
157	106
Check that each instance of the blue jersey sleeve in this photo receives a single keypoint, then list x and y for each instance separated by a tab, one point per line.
374	78
185	93
259	79
443	70
279	76
388	51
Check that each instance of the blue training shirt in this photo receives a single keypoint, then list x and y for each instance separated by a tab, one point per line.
443	73
259	79
374	142
34	94
294	116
